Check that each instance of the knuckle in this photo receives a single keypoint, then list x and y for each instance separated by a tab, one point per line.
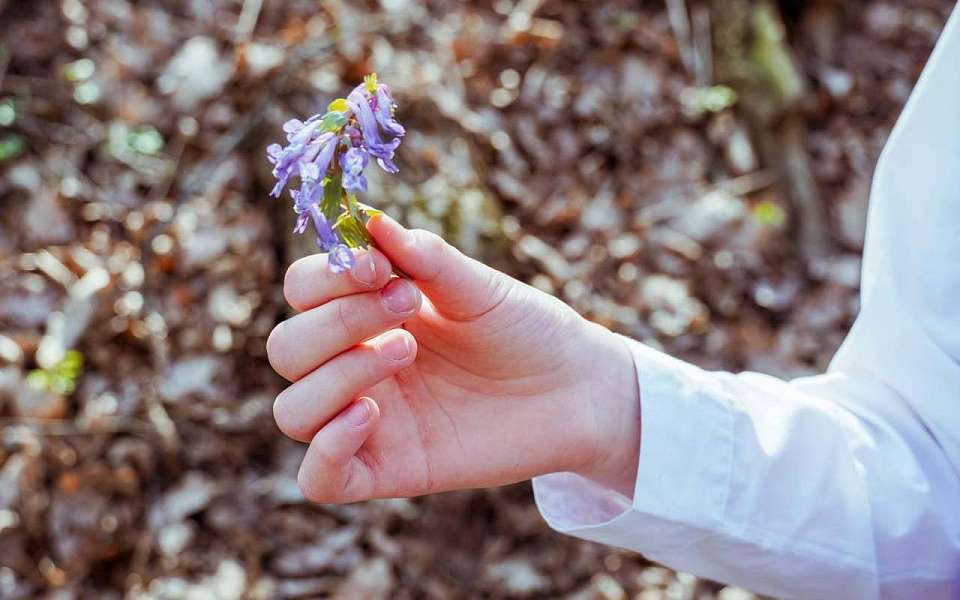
432	250
337	371
342	379
346	318
430	241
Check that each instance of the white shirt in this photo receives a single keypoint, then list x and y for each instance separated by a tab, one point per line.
843	485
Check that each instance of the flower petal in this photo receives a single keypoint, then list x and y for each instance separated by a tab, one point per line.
388	165
354	183
273	152
309	170
385	113
301	225
340	258
368	125
278	187
326	237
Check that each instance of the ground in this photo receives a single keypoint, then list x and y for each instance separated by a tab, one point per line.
583	147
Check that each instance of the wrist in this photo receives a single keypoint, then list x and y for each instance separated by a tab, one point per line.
609	403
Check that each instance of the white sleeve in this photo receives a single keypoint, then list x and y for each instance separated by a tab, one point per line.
844	485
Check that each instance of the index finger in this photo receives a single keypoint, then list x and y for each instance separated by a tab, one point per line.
309	282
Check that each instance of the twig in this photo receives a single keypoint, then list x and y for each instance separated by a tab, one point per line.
160	419
520	17
680	23
746	184
4	62
673	206
156	411
813	231
159	190
702	46
248	19
53	268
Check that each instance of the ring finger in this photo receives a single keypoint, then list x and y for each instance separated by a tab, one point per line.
304	407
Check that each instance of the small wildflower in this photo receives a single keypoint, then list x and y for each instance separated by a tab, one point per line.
353	162
340	257
328	153
384	112
372	140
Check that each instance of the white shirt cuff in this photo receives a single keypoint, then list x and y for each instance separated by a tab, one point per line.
683	476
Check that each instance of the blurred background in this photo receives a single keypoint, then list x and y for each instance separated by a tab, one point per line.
691	173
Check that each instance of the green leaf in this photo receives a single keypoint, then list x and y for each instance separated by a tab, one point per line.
61	378
352	231
62	385
368	210
770	214
38	379
332	121
71	364
709	99
332	195
353	206
11	146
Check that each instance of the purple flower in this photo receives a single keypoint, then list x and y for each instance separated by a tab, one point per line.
340	258
303	214
336	146
376	146
283	160
303	148
326	236
353	136
387	165
294	128
353	162
384	112
291	127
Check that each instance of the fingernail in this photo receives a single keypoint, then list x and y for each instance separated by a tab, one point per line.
400	296
359	413
365	269
396	347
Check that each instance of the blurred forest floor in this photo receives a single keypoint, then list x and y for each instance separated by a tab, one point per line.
693	174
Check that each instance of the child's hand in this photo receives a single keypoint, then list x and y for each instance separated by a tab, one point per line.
491	381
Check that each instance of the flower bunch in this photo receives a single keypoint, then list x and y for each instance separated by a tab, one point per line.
329	153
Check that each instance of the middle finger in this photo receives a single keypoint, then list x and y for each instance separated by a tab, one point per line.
307	340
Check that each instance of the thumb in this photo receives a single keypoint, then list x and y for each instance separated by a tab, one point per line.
458	286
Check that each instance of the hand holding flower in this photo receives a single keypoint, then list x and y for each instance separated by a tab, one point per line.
457	377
